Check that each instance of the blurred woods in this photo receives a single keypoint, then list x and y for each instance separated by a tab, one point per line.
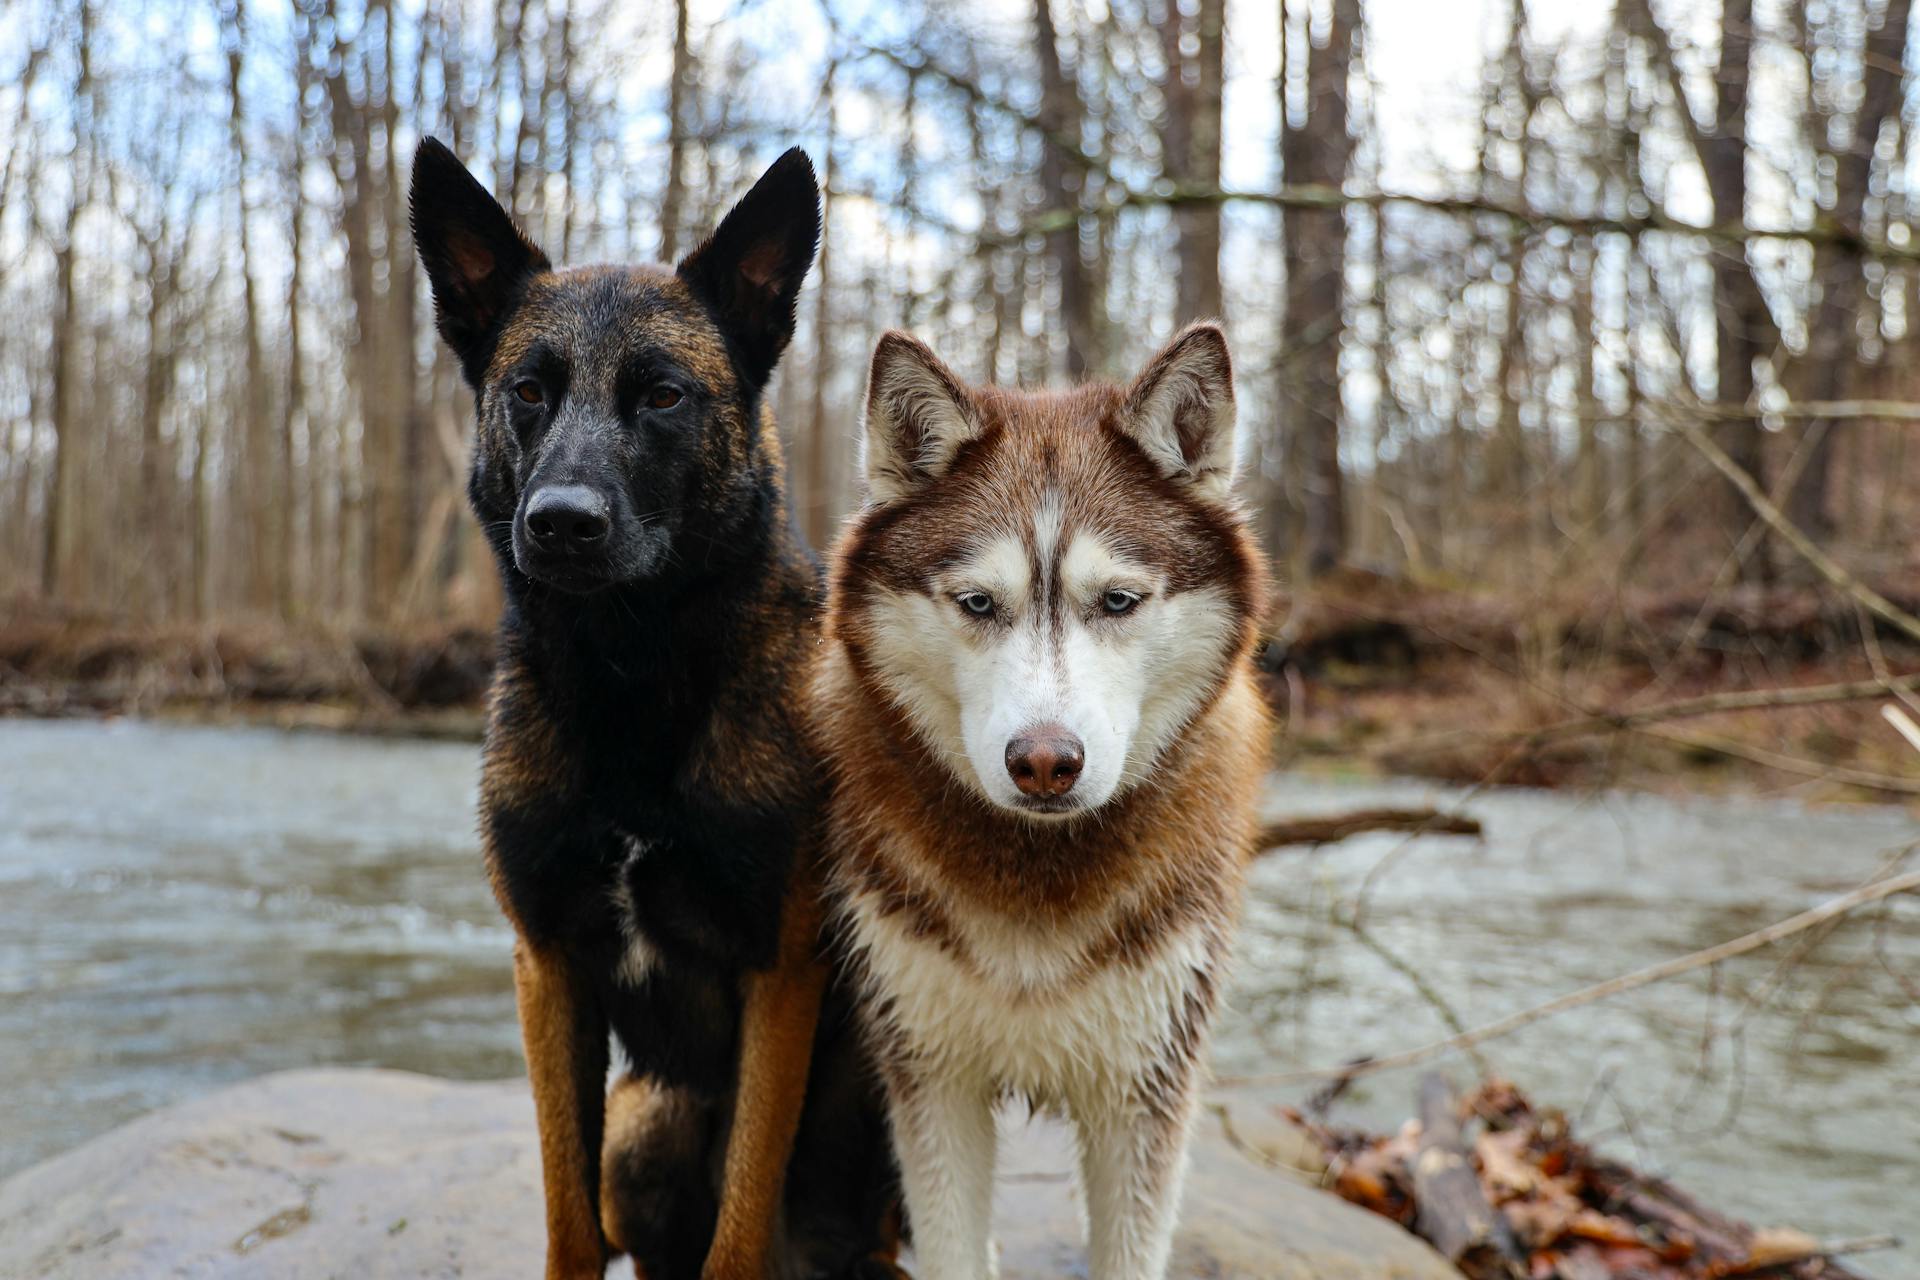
1490	340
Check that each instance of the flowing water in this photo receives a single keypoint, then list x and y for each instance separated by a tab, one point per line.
185	907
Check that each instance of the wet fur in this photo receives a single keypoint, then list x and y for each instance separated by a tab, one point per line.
648	807
1072	963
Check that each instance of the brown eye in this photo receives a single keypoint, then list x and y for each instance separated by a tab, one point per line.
663	398
529	392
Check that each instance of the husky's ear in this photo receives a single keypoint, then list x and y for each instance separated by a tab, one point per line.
475	257
918	416
750	269
1180	410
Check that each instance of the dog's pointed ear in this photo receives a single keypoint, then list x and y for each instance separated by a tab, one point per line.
1180	411
476	259
751	268
918	415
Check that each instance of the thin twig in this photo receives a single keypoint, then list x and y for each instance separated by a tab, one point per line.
1902	722
1784	762
1679	709
1825	565
1773	933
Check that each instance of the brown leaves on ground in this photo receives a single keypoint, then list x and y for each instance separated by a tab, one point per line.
52	664
1574	1214
1457	683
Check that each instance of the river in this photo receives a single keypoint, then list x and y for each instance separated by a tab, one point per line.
183	907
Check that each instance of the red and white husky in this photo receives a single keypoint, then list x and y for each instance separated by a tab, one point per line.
1046	748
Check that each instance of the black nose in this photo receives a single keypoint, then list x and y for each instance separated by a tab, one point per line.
567	517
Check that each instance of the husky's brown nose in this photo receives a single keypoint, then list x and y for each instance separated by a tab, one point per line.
1045	762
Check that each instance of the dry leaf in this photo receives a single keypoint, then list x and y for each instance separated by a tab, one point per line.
1504	1165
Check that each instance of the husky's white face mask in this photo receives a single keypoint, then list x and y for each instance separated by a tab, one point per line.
1047	583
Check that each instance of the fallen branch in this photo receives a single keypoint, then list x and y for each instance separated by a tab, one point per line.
1337	827
1450	1210
1831	910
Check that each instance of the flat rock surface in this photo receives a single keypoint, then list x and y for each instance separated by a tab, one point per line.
368	1174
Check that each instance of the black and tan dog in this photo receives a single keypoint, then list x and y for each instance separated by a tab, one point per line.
648	809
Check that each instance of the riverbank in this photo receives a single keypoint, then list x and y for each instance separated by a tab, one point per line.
1741	691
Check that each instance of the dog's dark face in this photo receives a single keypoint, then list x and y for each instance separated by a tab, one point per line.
620	435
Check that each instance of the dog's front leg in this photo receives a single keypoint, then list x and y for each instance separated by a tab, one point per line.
943	1133
1133	1159
565	1035
777	1024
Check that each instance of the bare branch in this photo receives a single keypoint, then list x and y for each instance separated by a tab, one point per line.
1824	564
1683	709
1845	904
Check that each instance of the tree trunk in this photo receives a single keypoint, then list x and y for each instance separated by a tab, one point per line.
1589	476
1744	325
1190	91
351	148
156	472
293	418
403	488
57	553
256	473
816	477
1318	152
62	542
1516	496
671	203
1833	366
1062	179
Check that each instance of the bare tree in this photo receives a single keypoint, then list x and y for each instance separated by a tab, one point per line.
1191	88
1062	179
1318	150
678	99
223	400
1832	367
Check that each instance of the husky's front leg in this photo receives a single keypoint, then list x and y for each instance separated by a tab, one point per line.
1133	1160
943	1133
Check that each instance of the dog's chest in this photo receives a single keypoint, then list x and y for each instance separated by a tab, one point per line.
1040	1008
698	895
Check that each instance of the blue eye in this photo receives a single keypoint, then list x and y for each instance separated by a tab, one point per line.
977	603
1118	602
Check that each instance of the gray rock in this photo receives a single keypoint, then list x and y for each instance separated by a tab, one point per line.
370	1174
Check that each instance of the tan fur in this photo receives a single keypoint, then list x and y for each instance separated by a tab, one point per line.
548	997
777	1026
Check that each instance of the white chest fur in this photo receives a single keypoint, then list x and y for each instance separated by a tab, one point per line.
1017	1006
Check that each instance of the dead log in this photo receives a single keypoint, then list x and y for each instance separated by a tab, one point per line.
1451	1211
1337	827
